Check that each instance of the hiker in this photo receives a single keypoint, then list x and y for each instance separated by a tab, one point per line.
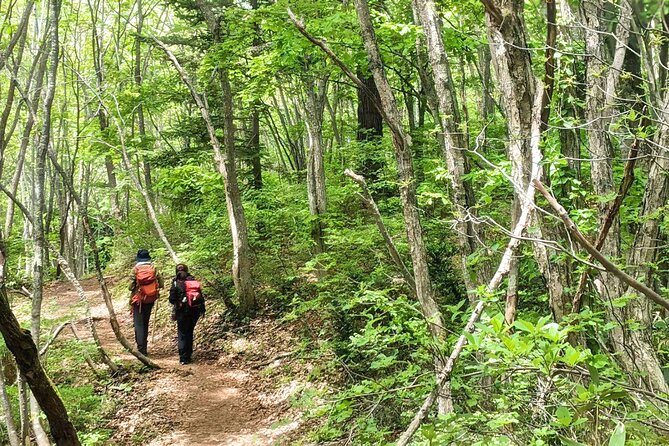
145	289
188	300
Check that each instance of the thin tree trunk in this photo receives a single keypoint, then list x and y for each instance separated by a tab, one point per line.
402	145
39	201
147	200
24	413
315	104
332	111
241	266
513	67
636	353
392	249
454	144
254	155
98	63
41	60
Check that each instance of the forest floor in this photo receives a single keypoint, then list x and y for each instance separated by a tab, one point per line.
237	391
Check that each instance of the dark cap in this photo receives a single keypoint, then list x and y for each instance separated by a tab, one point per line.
181	267
143	256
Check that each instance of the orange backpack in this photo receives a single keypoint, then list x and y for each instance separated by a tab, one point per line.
147	283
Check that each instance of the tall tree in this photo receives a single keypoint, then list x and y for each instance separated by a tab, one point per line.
402	145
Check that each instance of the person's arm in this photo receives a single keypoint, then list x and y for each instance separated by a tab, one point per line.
133	282
132	287
174	294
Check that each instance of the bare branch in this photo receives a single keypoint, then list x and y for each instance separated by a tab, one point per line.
606	263
392	249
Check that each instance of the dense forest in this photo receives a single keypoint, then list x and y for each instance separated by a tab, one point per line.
416	222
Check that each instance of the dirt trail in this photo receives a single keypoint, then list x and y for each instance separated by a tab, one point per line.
216	400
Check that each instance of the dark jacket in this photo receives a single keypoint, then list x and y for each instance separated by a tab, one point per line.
178	295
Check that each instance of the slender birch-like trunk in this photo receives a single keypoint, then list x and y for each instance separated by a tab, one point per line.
316	92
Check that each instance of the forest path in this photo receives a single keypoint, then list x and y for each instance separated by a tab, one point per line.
216	400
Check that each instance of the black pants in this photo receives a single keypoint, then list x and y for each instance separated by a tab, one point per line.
140	317
186	321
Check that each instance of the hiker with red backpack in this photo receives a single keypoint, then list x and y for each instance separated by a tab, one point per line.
188	300
145	289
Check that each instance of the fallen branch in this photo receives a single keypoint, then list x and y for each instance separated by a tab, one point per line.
57	332
392	249
628	180
23	292
592	250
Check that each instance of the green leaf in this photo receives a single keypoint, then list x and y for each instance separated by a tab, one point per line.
571	356
563	416
594	374
524	326
568	442
618	436
382	362
428	432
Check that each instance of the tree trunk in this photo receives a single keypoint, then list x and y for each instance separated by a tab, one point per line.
370	128
39	201
402	145
241	262
98	63
12	432
636	353
513	67
41	60
454	144
20	343
315	104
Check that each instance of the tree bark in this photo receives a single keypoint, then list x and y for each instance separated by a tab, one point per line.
316	193
453	142
10	425
20	343
402	145
39	200
513	67
636	353
38	79
524	219
370	127
98	64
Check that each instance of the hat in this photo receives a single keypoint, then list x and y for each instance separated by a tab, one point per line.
181	267
143	256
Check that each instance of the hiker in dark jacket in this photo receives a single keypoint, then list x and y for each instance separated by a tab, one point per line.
144	290
185	313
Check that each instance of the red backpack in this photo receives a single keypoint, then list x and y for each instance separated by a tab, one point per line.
194	293
147	283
